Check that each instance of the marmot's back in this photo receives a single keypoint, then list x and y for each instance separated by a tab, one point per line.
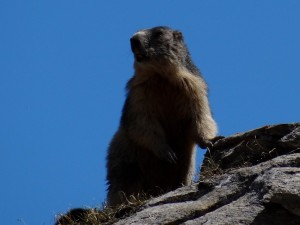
166	113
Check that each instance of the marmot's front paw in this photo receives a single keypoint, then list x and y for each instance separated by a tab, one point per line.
167	154
171	157
209	143
215	139
204	144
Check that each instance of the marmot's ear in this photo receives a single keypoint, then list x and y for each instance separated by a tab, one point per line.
177	35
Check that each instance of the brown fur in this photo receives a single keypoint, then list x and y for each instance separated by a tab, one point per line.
165	115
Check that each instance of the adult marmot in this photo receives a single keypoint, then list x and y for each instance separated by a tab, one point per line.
166	113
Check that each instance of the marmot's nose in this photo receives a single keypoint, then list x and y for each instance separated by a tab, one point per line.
136	42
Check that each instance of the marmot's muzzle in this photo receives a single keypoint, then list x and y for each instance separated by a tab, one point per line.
138	48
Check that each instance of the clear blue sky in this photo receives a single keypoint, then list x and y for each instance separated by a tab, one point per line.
64	66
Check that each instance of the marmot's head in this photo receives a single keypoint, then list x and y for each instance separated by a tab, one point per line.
158	46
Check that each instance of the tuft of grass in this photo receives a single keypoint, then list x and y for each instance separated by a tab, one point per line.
209	167
80	216
105	215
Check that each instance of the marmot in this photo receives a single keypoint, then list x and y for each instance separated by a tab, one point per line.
166	113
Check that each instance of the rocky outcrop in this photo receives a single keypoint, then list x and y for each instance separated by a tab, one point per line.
247	178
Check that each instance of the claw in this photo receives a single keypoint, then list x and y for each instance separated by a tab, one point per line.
167	154
172	157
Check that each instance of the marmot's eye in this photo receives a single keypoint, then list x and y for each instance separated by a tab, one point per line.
158	34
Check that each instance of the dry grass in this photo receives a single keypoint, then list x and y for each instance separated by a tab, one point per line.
104	215
209	167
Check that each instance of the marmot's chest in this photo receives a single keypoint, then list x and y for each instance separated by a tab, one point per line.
166	100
